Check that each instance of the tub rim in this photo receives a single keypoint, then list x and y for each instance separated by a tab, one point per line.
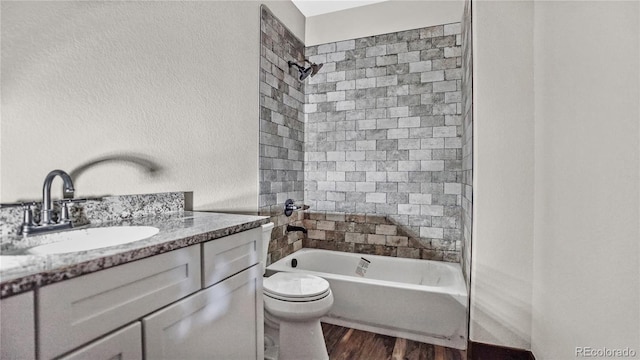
457	289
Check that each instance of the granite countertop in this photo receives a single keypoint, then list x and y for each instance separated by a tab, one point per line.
20	273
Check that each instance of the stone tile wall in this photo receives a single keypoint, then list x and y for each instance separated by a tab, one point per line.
383	136
365	234
467	143
281	131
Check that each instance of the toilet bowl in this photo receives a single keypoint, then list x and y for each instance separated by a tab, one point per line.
294	304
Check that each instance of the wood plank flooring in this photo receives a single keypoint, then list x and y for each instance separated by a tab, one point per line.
350	344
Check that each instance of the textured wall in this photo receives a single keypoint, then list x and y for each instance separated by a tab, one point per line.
174	82
380	18
586	259
281	131
503	148
383	134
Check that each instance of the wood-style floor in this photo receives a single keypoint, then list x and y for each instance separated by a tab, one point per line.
350	344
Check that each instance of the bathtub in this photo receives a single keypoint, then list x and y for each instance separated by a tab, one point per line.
420	300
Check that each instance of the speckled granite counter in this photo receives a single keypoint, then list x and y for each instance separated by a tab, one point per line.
20	273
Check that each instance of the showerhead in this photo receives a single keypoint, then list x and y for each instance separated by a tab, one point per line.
304	73
315	68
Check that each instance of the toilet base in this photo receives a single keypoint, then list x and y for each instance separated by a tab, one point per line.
271	352
293	328
271	338
302	340
293	340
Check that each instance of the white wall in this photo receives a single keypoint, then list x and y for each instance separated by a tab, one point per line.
381	18
503	141
174	82
556	256
587	219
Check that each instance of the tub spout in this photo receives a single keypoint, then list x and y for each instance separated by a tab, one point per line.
296	228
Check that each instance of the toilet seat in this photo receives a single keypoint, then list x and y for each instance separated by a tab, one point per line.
295	287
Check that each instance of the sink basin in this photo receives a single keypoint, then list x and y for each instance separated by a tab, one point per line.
9	261
90	239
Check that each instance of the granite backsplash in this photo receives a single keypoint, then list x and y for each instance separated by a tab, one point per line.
98	210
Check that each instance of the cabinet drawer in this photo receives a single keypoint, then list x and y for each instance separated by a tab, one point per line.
229	255
79	310
125	344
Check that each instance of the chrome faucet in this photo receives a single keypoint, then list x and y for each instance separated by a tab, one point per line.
67	193
47	222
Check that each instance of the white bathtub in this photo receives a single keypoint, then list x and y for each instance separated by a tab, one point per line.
420	300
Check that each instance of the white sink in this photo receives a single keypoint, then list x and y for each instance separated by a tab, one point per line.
90	239
9	261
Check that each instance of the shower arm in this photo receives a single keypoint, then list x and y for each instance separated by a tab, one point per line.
291	63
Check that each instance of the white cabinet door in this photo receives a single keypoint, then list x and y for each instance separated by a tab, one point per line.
223	321
17	327
124	344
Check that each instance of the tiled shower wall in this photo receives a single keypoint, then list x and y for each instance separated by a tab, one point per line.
281	132
467	142
383	136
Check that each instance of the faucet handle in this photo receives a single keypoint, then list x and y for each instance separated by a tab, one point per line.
64	208
71	201
64	211
27	217
12	205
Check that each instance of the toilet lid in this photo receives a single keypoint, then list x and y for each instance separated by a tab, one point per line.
295	285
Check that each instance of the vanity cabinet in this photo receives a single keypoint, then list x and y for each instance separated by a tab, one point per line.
17	326
202	301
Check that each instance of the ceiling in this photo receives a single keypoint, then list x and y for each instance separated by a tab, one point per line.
317	7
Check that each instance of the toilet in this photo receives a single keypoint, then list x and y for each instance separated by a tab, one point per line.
293	306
